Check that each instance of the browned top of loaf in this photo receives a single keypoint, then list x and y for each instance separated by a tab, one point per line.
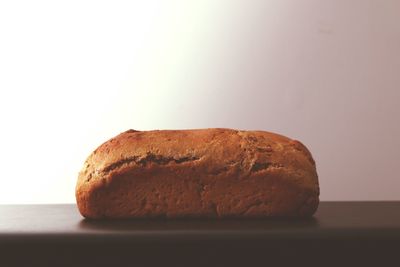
247	151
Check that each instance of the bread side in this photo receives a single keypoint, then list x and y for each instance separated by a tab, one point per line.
198	173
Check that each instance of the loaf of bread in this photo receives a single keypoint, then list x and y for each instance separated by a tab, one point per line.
204	173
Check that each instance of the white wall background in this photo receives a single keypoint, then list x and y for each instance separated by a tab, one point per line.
75	73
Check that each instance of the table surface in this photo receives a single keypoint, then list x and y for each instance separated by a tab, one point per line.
338	218
367	226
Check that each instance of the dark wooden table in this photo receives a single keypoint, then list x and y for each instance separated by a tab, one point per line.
356	233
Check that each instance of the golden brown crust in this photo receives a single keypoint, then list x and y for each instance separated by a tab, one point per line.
198	173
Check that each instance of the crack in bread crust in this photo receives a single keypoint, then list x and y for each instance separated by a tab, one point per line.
149	158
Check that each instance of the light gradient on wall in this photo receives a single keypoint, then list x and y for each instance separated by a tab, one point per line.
74	74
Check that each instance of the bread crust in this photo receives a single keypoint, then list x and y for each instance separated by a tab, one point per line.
212	173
